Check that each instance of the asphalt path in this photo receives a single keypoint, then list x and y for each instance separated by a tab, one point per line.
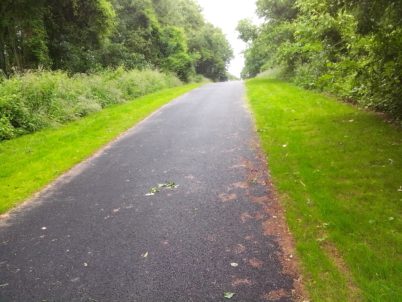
98	235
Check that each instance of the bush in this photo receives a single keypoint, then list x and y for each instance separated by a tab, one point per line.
37	100
352	49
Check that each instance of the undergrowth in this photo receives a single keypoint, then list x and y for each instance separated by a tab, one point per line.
37	100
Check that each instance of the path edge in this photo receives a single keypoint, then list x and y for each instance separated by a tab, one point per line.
35	199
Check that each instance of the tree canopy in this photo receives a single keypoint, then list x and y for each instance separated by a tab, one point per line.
350	48
86	35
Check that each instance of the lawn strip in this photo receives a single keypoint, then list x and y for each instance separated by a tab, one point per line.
339	172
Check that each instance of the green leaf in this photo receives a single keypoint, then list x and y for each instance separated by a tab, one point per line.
228	295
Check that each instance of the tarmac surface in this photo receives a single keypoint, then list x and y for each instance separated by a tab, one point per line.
97	234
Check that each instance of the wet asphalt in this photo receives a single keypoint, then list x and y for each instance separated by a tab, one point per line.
96	236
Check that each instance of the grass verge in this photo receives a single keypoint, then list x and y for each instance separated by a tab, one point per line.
339	173
30	162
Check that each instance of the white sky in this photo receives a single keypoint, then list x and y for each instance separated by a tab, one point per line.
226	14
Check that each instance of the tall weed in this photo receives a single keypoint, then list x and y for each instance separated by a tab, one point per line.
36	100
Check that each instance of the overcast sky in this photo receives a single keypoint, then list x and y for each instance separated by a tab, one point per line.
226	14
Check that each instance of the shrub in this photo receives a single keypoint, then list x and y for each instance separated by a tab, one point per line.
352	49
41	99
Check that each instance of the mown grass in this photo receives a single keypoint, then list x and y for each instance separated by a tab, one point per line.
30	162
339	173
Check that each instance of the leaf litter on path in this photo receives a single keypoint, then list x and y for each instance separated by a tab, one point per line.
152	191
169	185
228	295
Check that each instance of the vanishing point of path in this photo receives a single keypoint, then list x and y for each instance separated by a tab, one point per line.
95	235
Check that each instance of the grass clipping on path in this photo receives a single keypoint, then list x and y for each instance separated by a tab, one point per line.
339	173
30	162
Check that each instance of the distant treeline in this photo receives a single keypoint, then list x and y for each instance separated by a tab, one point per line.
80	36
351	48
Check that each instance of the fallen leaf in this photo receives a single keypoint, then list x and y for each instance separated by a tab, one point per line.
228	295
154	190
167	185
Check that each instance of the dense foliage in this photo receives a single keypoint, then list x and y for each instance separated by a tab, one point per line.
349	48
86	35
38	100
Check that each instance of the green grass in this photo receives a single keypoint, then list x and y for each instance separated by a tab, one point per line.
339	174
30	162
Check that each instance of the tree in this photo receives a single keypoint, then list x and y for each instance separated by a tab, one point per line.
248	32
22	35
76	30
174	51
349	48
86	35
277	10
212	52
60	34
186	14
135	42
207	46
